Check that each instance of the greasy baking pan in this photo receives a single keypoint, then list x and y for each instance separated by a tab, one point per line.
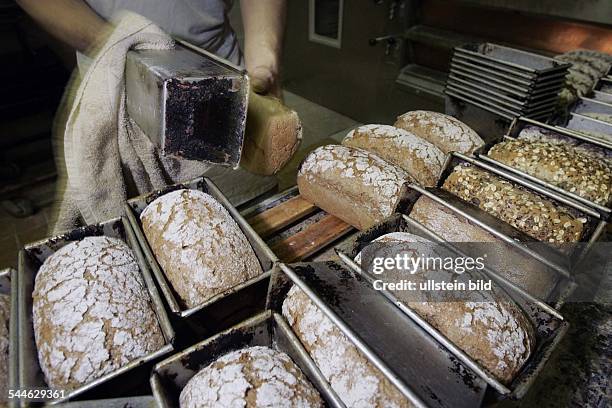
513	60
222	310
128	380
513	133
597	129
594	226
267	329
583	106
414	362
550	327
8	286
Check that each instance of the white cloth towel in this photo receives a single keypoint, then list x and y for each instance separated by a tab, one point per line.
107	157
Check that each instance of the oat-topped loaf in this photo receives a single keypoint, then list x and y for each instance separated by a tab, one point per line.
420	158
92	313
526	211
356	381
487	325
253	377
200	248
586	176
444	131
354	185
5	312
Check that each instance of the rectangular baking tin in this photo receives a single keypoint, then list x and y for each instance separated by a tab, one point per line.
113	384
235	297
267	329
581	123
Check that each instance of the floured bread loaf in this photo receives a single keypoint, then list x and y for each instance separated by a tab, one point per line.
444	131
5	312
273	134
354	185
531	213
488	326
517	267
199	246
253	377
92	313
586	176
420	158
354	379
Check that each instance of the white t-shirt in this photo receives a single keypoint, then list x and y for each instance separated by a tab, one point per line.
204	23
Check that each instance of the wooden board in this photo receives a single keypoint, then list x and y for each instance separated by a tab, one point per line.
277	218
305	242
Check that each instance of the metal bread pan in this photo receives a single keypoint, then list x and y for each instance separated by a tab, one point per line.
485	121
512	58
563	286
144	401
604	97
594	226
514	131
189	102
604	85
9	286
488	90
224	309
266	329
507	115
128	380
585	106
414	362
595	129
549	328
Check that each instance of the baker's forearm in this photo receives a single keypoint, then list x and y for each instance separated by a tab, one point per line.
264	27
71	21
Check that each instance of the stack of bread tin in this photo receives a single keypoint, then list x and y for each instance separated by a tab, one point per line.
506	81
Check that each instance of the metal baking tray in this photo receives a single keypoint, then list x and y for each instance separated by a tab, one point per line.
522	63
474	66
493	84
415	363
588	105
594	227
604	85
144	401
595	129
9	286
513	133
548	323
604	97
498	105
268	329
128	380
524	107
227	308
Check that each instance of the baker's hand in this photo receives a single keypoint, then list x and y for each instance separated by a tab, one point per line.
265	81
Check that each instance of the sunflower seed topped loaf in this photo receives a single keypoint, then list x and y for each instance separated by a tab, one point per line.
526	211
562	166
535	134
198	245
488	326
253	377
354	379
420	158
354	185
92	313
444	131
513	265
5	312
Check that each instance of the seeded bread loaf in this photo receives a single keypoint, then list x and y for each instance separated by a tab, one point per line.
418	157
531	213
444	131
513	265
5	312
488	326
354	379
562	166
92	313
354	185
253	377
198	245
